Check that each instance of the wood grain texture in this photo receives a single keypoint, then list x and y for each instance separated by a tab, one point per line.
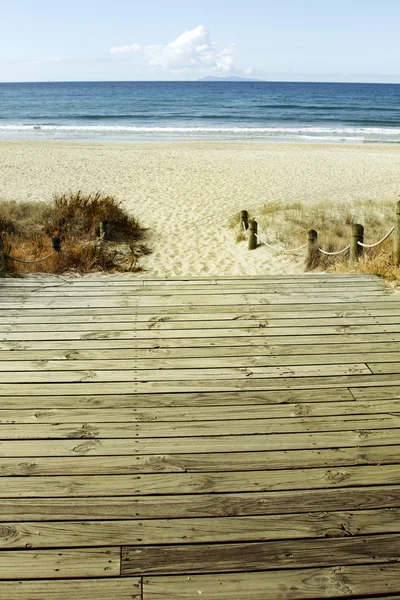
200	463
334	582
86	445
55	564
259	556
72	589
198	483
197	412
198	530
218	437
200	505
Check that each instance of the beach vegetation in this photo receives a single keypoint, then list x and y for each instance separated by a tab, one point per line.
28	228
285	225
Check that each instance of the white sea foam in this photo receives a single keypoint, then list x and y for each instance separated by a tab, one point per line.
349	134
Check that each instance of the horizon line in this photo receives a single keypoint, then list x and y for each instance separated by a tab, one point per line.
202	80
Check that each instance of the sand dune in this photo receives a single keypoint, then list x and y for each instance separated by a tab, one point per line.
185	193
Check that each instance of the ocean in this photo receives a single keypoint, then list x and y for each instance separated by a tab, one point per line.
256	111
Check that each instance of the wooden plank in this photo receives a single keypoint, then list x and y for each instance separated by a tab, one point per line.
173	300
174	375
200	463
209	444
130	401
246	307
93	333
210	363
321	382
235	318
66	589
106	340
200	505
261	354
337	582
259	556
66	534
197	412
378	367
379	393
194	290
59	564
324	281
200	483
198	429
206	312
162	324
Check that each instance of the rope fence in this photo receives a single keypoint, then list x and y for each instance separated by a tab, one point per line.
104	235
355	248
5	256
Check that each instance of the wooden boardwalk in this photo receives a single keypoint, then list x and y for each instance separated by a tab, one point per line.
218	439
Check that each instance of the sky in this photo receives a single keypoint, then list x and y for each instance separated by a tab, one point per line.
138	40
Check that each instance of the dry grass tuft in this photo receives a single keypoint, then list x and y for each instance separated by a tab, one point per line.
28	227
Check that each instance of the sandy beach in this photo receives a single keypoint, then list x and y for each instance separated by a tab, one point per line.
185	193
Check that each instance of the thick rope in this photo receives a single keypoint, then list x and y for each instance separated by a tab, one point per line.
28	262
334	253
296	249
377	243
278	249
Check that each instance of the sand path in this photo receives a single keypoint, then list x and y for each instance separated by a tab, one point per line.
186	193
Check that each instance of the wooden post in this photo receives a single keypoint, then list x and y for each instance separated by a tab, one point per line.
105	230
396	237
244	219
312	250
357	235
56	243
252	234
2	256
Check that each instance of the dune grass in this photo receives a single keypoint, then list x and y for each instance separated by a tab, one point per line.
286	224
28	227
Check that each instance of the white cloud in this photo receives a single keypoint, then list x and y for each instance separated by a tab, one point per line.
41	61
193	50
125	49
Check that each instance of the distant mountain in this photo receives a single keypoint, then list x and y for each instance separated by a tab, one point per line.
228	79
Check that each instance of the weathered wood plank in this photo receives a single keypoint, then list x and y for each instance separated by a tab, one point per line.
259	556
173	375
379	393
197	412
206	312
198	429
334	582
65	534
93	333
200	505
173	300
367	289
161	324
197	385
200	483
209	444
127	400
59	564
378	367
262	354
72	589
214	363
106	340
199	463
235	318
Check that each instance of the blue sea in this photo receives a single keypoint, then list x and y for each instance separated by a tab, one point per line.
264	111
